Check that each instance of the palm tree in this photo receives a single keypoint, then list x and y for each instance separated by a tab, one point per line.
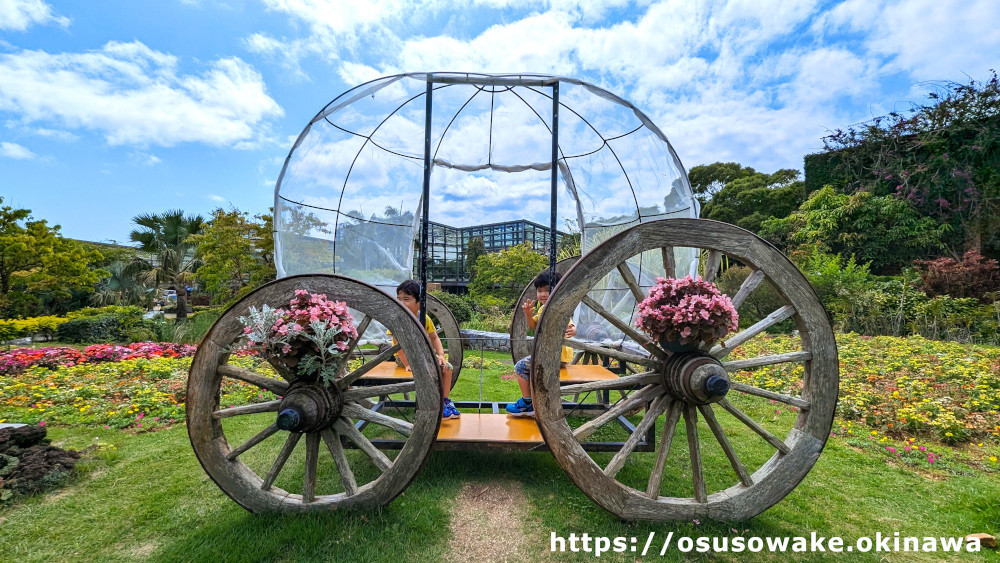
165	237
122	286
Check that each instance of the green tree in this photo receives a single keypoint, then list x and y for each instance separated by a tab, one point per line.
236	253
751	197
38	265
503	275
120	287
884	231
167	238
473	250
708	179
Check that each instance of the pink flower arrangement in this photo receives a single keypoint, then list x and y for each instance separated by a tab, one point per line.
310	336
52	357
687	311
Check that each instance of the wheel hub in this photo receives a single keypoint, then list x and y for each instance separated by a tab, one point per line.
695	377
308	407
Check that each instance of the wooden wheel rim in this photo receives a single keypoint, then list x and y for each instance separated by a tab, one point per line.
237	479
452	335
775	478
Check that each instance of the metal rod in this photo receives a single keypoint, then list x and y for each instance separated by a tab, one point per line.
555	175
425	219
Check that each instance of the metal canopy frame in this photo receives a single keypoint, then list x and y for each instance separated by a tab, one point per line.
551	82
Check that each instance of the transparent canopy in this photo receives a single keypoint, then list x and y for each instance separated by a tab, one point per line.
348	200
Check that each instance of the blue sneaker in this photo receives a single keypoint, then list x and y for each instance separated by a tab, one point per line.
452	409
523	407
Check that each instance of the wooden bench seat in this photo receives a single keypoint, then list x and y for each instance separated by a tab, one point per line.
388	372
490	428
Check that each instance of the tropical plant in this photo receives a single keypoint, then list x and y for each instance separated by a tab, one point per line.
167	238
122	286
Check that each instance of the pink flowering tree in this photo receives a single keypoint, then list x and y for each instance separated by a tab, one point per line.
311	336
687	311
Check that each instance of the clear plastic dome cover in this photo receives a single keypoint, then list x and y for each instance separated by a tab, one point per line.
348	200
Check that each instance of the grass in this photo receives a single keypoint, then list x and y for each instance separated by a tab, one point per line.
145	497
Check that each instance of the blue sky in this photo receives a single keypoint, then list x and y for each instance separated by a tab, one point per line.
114	108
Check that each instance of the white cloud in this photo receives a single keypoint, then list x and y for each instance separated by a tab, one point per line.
215	197
19	15
133	94
16	151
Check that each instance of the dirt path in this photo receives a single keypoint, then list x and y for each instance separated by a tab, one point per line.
487	524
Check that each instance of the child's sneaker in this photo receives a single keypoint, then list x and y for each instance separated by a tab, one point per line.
453	410
523	407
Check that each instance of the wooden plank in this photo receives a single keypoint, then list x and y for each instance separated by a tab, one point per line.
356	393
669	264
258	438
388	370
747	287
356	411
666	439
347	380
728	345
697	478
629	280
712	265
727	448
787	357
616	383
787	399
275	386
269	406
616	354
286	450
639	339
585	373
312	460
490	428
340	460
655	410
752	424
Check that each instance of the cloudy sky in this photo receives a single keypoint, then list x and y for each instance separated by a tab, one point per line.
113	108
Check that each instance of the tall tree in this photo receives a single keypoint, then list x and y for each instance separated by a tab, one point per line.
709	179
167	237
504	274
473	250
236	253
751	198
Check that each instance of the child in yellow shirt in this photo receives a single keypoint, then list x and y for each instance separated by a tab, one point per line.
408	293
544	283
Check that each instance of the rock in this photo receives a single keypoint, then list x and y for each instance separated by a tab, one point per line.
985	540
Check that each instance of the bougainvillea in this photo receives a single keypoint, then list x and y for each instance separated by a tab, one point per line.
686	310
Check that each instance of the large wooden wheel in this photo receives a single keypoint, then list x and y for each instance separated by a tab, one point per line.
747	446
519	344
450	334
246	450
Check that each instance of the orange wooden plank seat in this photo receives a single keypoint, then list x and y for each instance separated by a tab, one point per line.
489	430
389	372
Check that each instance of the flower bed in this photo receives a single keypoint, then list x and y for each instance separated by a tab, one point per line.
20	359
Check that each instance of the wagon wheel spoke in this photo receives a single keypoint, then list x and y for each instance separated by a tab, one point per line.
655	410
340	459
634	401
312	460
364	444
747	287
616	354
669	264
727	346
669	427
286	450
260	437
361	328
691	424
785	358
712	265
269	406
356	411
623	382
752	424
349	379
787	399
275	386
629	280
727	448
357	393
624	327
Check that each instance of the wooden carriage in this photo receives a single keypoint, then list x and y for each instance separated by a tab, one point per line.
621	400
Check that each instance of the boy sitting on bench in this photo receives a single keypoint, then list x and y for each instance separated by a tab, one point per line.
544	284
408	293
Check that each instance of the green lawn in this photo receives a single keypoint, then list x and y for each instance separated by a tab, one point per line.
145	497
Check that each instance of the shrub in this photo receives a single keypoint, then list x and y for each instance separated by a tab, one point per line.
973	276
115	325
17	328
458	305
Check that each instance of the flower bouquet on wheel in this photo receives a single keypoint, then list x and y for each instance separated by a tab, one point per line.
685	313
309	339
